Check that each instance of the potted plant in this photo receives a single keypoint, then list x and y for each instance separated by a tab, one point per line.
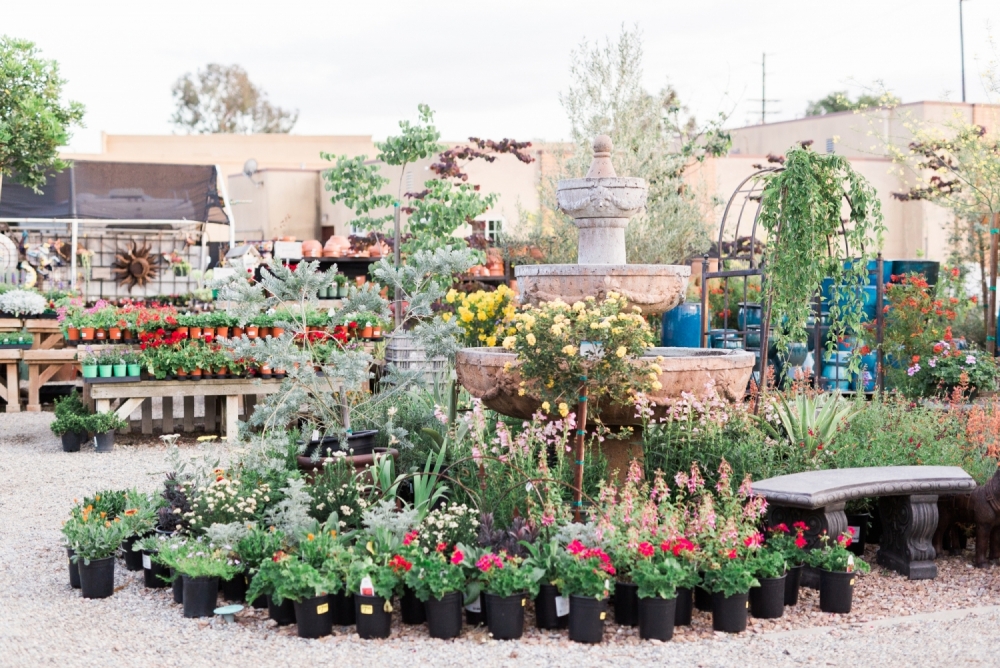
155	575
792	549
106	361
366	331
551	609
585	578
133	363
22	303
729	580
256	547
201	565
103	426
838	568
374	581
119	368
508	581
94	538
72	429
438	579
288	577
767	599
658	574
341	281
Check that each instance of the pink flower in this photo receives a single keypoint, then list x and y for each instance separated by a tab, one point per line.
646	550
800	541
488	561
756	540
575	547
410	537
457	557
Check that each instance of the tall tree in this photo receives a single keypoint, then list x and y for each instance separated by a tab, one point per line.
34	121
653	139
841	101
222	99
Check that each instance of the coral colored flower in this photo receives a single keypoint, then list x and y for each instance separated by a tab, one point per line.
399	563
130	512
732	553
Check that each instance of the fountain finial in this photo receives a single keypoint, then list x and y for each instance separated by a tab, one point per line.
601	167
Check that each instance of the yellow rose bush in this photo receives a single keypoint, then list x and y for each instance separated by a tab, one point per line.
480	314
559	344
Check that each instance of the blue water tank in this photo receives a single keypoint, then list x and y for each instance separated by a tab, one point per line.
682	326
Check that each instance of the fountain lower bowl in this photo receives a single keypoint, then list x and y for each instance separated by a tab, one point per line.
654	288
481	372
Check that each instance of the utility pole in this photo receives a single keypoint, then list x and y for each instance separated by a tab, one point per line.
961	41
763	91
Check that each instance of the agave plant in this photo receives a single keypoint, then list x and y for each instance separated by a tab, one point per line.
811	423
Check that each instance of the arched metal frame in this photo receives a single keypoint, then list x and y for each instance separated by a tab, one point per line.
742	211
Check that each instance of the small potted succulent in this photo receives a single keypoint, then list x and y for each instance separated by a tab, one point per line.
658	574
585	577
838	568
438	579
508	582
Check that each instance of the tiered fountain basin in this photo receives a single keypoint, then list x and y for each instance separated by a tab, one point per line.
481	372
654	288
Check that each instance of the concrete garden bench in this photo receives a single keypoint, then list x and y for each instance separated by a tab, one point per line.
907	503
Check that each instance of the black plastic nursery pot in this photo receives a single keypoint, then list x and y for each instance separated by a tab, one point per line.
74	571
626	603
201	596
359	443
133	559
444	615
342	609
729	613
104	442
476	617
259	603
586	619
71	441
283	614
685	607
411	608
506	615
153	574
702	599
792	578
768	600
656	618
546	613
178	587
313	617
97	579
836	591
858	525
373	616
235	588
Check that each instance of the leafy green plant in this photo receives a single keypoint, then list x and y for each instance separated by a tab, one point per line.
257	546
70	423
810	422
287	577
101	423
93	535
505	575
201	559
659	574
438	572
730	576
833	555
767	562
584	571
791	547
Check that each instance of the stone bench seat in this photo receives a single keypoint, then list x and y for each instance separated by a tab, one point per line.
907	502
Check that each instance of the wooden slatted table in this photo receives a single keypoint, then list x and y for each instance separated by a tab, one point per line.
11	324
46	331
9	390
134	395
42	365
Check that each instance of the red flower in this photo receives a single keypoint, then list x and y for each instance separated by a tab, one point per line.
800	541
410	537
441	547
575	547
783	528
399	563
457	557
755	540
646	550
801	526
732	553
845	540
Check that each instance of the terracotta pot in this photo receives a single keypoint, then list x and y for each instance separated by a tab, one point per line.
279	372
127	334
181	373
87	333
375	251
222	332
115	333
100	335
251	331
366	332
196	373
194	332
184	331
360	280
237	332
72	334
311	248
265	369
221	371
361	462
376	332
262	332
277	331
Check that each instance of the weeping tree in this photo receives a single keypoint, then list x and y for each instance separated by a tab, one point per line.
654	139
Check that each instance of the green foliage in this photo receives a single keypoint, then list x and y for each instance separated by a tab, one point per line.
660	575
287	577
788	543
505	575
436	573
93	536
34	122
257	546
359	186
833	555
222	99
101	423
200	559
810	423
730	576
70	423
841	101
801	208
767	562
438	211
584	572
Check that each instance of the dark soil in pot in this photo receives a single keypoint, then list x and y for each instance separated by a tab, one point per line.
444	615
792	585
768	600
656	618
729	613
313	617
97	579
372	618
836	591
586	619
153	574
201	596
506	616
284	614
342	609
626	604
74	571
685	607
235	588
546	614
411	608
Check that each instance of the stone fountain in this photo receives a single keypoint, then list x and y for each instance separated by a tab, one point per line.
601	205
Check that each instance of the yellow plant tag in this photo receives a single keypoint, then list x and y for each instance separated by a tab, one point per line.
387	607
367	609
322	609
852	582
603	615
748	604
524	602
370	547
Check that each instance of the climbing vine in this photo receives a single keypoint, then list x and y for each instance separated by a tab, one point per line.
801	210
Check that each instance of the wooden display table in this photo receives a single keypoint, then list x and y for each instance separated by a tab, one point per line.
9	390
42	365
11	324
135	394
46	331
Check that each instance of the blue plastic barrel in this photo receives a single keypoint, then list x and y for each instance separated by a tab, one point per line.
682	326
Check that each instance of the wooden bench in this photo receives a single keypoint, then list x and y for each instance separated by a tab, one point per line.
9	390
907	503
42	365
136	394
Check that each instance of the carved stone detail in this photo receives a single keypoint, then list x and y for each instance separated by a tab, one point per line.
908	524
831	519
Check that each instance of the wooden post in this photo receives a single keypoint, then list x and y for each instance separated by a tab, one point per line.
167	411
879	323
581	433
704	302
991	320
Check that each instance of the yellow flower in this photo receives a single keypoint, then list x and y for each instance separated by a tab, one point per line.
506	367
655	368
579	306
657	385
509	342
653	375
446	317
520	391
563	409
482	315
450	297
550	384
491	341
530	338
621	351
546	406
569	350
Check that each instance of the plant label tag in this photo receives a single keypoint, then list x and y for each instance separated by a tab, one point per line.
322	609
475	606
147	563
315	436
524	602
387	606
562	606
367	589
855	532
850	563
852	582
603	615
367	609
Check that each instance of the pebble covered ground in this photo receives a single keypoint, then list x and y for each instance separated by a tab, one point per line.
44	622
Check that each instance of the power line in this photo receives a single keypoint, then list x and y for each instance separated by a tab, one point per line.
763	91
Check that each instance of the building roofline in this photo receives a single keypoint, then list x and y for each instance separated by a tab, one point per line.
941	103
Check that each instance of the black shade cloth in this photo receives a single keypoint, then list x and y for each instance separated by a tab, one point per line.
120	191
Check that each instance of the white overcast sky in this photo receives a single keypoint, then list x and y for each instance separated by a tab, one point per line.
495	69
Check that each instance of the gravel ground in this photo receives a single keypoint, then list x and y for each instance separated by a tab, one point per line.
44	622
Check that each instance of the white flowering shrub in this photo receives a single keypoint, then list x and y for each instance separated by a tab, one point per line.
22	302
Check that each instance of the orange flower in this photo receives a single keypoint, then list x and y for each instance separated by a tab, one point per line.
916	358
130	512
310	537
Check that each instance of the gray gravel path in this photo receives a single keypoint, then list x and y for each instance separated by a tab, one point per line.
44	622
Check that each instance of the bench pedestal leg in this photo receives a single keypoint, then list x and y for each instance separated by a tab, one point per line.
232	417
908	524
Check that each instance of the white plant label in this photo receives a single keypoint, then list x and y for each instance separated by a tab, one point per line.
562	606
367	589
475	606
146	562
315	436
